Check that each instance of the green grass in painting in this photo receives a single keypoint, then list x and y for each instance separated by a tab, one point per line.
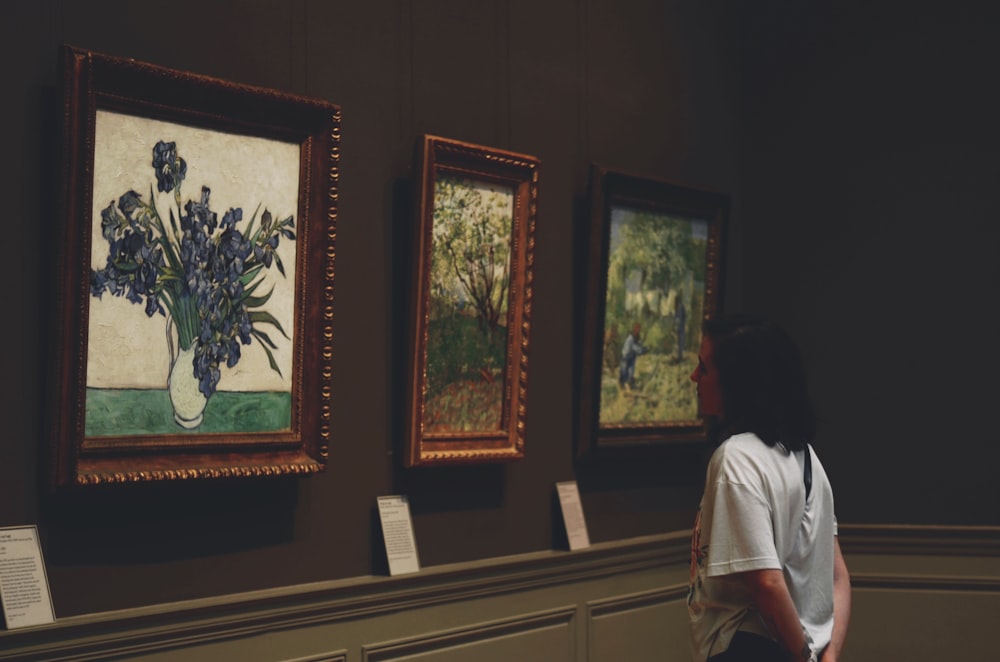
465	407
464	375
130	412
663	391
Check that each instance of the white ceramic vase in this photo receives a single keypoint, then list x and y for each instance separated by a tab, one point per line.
188	402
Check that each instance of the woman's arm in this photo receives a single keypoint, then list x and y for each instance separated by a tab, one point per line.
841	604
770	596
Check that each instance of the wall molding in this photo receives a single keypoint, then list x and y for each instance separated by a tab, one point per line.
923	554
339	656
920	539
935	542
925	583
524	624
620	603
175	625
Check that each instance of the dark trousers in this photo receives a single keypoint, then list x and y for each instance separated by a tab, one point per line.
747	647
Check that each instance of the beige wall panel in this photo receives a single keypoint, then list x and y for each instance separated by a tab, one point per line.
922	626
644	626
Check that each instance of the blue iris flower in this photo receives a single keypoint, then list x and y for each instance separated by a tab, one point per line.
170	169
128	203
207	269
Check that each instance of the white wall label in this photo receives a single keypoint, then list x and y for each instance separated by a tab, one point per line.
397	530
572	512
24	587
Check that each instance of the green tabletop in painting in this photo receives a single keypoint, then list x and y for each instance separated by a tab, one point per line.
129	412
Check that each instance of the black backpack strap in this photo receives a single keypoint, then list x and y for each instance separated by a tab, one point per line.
807	471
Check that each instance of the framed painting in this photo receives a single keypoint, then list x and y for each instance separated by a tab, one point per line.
471	303
195	297
654	273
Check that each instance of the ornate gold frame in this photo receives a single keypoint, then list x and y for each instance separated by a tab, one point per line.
611	190
518	174
93	81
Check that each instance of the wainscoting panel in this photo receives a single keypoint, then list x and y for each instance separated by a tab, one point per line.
650	626
523	607
923	625
921	594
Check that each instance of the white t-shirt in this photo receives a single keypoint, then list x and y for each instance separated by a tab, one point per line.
754	516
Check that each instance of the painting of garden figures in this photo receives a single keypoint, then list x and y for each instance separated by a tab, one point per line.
654	265
653	311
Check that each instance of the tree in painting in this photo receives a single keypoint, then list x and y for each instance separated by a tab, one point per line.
655	293
470	287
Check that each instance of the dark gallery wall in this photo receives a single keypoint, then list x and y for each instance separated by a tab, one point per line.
869	171
640	86
859	148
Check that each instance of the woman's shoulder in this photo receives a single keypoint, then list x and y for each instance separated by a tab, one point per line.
744	443
746	454
740	451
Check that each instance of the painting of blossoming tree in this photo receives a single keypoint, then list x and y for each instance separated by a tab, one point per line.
471	303
470	284
192	255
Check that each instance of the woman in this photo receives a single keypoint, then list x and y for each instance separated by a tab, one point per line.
768	580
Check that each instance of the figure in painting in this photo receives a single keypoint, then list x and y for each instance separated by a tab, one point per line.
631	348
680	320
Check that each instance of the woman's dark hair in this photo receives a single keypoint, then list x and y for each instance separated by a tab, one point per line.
762	381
